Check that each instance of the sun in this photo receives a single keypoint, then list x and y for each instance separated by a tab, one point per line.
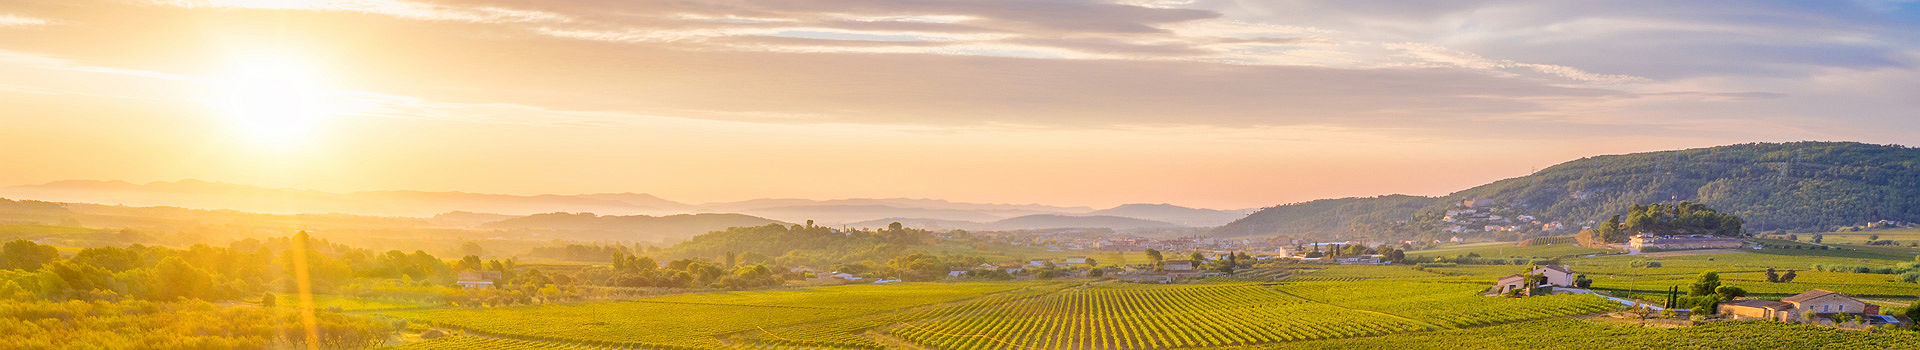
278	99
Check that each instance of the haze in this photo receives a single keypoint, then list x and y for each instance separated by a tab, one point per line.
1220	104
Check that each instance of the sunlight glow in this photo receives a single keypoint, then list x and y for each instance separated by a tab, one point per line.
274	98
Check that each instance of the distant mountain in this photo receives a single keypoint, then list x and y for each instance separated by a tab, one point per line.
213	195
919	223
1028	222
634	227
844	211
465	219
1185	216
1798	186
1046	221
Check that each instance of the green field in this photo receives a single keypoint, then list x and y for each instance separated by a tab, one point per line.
1505	250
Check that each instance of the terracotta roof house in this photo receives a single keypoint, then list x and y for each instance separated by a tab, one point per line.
1814	306
1756	309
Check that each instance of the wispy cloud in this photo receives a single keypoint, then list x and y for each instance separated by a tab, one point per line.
396	8
14	20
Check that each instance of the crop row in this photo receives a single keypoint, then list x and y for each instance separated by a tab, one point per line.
1449	304
1144	317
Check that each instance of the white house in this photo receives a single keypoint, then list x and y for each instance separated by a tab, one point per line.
1557	275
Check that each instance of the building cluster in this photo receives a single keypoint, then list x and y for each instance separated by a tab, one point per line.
1644	241
1479	215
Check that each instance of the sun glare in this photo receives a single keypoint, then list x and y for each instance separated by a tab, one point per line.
277	99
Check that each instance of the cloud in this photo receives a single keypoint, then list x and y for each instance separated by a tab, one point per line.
14	20
1551	67
395	8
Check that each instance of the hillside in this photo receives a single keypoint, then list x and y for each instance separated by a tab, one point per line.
633	227
1028	222
1046	221
1773	186
1184	216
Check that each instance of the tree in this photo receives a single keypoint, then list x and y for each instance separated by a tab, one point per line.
895	226
1730	292
1581	281
1772	277
1819	237
175	279
471	248
1705	284
1787	277
1197	258
1097	273
26	255
732	258
1394	255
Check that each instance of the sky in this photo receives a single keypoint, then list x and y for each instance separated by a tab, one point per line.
1217	104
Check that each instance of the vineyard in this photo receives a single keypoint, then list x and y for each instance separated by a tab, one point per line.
1144	317
471	342
1311	306
1575	333
702	320
1447	304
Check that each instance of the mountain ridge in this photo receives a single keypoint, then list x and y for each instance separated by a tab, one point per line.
1795	186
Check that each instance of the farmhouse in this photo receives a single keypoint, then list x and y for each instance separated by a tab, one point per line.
1644	241
1177	265
1148	278
474	279
1756	309
1814	306
1510	283
1078	260
1557	275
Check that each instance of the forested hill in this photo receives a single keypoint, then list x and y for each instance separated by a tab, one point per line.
1773	186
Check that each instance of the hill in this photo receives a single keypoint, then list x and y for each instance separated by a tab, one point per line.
1047	221
848	211
1028	222
1191	217
632	227
1799	186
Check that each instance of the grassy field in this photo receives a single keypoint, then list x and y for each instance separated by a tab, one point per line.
1901	235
